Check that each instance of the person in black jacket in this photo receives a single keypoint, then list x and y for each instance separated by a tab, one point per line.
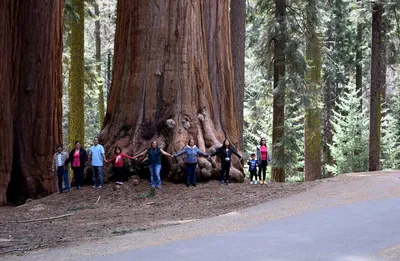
225	153
78	158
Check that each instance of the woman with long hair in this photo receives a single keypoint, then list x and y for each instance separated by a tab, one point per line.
118	164
78	158
225	153
191	152
263	158
154	162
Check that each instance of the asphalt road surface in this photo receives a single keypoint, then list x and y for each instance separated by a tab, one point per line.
353	218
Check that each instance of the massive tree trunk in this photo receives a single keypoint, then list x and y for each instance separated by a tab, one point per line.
161	89
278	121
98	65
238	37
312	120
76	124
377	83
6	134
220	67
32	87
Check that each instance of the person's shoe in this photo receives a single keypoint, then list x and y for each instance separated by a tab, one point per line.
187	185
59	192
221	183
94	186
158	187
79	188
194	185
121	183
100	186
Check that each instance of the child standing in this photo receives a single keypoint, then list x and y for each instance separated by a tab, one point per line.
253	168
118	162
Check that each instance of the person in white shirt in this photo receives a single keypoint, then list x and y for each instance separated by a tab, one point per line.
60	167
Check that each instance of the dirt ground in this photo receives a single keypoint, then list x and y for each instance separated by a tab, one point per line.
123	210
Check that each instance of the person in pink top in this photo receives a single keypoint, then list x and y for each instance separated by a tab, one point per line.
78	158
263	158
118	163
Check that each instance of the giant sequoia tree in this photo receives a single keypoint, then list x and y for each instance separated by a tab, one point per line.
238	37
30	100
172	79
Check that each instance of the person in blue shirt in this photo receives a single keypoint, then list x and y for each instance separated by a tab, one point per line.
191	152
253	163
96	158
154	163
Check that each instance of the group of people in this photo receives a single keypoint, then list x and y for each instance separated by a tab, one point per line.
261	162
78	158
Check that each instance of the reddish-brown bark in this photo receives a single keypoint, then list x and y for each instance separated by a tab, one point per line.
5	97
33	111
238	38
161	89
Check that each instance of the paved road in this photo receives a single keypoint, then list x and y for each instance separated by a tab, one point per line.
351	219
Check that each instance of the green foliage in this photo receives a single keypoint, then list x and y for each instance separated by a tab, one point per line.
92	79
350	140
390	158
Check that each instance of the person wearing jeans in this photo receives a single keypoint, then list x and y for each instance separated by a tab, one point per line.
97	157
263	157
154	162
225	153
191	152
78	158
59	166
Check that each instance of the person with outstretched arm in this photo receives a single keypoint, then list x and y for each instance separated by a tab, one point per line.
191	152
225	153
118	163
154	162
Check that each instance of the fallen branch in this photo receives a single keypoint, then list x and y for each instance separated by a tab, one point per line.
97	200
42	219
19	250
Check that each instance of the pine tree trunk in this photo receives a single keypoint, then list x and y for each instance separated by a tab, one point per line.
278	121
77	76
359	58
6	126
238	37
377	83
161	88
312	120
32	106
98	66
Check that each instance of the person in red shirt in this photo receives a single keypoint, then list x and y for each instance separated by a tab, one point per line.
118	162
263	158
